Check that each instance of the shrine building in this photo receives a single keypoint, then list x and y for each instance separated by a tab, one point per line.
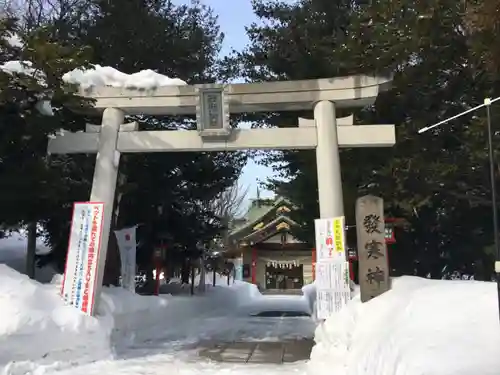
271	256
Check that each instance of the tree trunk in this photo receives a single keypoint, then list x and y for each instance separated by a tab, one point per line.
149	286
192	279
185	272
201	285
31	250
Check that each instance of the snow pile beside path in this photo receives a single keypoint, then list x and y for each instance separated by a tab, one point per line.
131	313
309	292
242	292
219	279
420	327
101	76
117	301
37	326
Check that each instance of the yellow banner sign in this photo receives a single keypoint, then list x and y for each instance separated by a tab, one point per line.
338	234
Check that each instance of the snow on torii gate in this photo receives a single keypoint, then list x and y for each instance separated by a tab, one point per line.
212	105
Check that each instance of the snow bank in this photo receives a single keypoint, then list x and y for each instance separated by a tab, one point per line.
243	292
309	292
420	327
100	76
131	313
37	326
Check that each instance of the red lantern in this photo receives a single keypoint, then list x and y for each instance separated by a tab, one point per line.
389	235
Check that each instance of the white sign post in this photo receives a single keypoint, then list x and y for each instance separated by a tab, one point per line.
332	268
127	244
80	274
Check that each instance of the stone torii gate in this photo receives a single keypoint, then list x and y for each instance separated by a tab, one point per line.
212	105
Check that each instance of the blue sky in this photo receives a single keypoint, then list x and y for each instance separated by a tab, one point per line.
234	15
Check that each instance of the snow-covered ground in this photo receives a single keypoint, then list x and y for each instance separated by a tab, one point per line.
420	327
38	333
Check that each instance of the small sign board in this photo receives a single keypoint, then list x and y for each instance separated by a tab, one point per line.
212	111
330	239
80	275
372	249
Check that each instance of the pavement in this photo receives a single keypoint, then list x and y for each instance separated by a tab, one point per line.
285	292
258	352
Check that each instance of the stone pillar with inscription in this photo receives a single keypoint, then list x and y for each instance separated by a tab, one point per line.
372	250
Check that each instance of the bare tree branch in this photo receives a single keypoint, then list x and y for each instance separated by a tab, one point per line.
227	206
33	13
10	8
229	203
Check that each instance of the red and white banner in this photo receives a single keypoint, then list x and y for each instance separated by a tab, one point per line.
330	239
80	275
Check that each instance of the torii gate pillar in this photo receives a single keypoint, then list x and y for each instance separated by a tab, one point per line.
104	181
328	161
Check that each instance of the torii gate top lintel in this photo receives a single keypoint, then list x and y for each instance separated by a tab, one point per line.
353	91
346	92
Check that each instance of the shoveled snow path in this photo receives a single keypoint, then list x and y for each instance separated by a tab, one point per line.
220	325
173	347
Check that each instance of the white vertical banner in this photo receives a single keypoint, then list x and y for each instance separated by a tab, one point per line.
332	268
80	274
127	244
238	266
